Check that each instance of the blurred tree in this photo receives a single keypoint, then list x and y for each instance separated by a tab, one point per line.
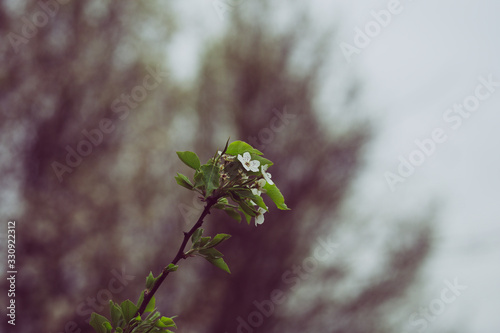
93	225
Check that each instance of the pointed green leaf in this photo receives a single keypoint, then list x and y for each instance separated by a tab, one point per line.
210	253
199	181
240	147
172	267
220	263
274	193
210	177
219	238
196	235
183	181
150	280
116	314
129	310
164	322
247	217
246	208
190	159
200	243
141	298
151	305
255	198
98	322
232	213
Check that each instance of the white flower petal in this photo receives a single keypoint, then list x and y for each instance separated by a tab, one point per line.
266	175
259	219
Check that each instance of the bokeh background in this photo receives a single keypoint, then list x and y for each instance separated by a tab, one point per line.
144	79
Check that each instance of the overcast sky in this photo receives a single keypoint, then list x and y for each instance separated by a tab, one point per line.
427	59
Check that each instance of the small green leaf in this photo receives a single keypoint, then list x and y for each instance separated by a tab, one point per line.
220	263
150	280
116	314
172	267
274	193
129	310
219	238
210	253
233	213
184	181
141	298
165	322
190	159
247	217
119	330
108	326
199	179
240	147
246	208
151	305
98	322
210	177
200	243
196	235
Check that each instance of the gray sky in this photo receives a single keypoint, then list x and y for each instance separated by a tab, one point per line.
428	58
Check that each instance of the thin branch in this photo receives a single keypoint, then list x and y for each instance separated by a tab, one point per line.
148	294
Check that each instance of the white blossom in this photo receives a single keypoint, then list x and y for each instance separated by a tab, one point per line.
259	219
267	175
248	164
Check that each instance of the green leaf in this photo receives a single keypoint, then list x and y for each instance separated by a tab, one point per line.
129	310
240	147
196	235
151	305
274	193
233	213
164	322
116	314
184	181
190	159
247	217
141	298
200	243
219	238
98	322
150	280
220	263
255	198
119	330
198	179
246	208
210	178
210	253
172	267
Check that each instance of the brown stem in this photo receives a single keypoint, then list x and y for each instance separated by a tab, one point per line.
148	294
